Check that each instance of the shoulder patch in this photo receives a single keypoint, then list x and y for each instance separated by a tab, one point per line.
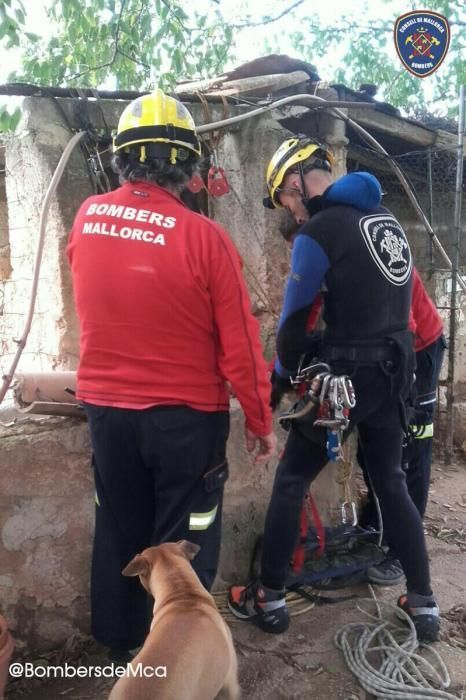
388	246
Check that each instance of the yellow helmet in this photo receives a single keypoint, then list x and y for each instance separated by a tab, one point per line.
292	152
160	126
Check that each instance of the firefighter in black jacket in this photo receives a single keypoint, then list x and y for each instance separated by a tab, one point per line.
360	259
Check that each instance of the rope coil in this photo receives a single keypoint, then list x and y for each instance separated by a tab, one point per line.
383	658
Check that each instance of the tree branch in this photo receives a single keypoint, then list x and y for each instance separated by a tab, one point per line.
270	19
175	16
348	26
115	48
133	59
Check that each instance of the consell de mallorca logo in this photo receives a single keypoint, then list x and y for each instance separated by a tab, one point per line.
422	39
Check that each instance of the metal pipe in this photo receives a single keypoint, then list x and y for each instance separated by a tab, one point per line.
44	386
29	90
454	276
292	99
314	101
431	208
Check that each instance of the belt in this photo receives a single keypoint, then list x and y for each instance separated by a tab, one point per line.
359	353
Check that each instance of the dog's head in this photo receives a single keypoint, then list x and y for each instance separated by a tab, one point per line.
143	564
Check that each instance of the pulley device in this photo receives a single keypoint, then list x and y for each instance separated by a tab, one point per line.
217	183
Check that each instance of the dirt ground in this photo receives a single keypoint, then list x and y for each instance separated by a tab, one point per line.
304	663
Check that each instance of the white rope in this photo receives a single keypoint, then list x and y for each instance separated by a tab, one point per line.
383	657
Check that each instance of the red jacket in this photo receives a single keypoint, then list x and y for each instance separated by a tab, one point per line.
163	308
425	321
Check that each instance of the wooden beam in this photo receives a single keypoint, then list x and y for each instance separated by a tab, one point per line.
369	159
448	141
27	90
259	85
394	125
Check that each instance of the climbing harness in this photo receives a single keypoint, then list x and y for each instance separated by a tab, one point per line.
332	394
328	558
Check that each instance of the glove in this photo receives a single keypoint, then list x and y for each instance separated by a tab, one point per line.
280	387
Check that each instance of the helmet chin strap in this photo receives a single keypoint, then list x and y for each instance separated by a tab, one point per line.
305	197
311	204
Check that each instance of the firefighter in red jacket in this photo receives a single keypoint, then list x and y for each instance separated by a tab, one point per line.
165	323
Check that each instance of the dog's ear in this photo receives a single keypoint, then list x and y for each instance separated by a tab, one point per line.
189	549
137	566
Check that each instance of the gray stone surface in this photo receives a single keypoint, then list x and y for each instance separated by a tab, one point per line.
46	491
47	520
304	663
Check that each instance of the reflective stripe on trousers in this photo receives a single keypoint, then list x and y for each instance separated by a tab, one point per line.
421	432
201	521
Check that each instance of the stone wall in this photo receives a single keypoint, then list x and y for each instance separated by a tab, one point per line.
46	491
5	263
31	158
245	153
47	521
46	515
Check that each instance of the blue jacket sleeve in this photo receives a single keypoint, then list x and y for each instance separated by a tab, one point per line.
309	265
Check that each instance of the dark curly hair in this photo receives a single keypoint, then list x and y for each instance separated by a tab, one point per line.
129	168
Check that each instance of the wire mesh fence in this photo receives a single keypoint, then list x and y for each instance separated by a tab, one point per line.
431	174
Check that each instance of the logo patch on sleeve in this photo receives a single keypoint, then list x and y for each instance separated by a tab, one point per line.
387	244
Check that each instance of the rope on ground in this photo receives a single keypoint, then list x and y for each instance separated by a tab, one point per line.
383	657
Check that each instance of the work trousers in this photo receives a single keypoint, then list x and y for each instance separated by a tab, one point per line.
150	470
417	452
377	415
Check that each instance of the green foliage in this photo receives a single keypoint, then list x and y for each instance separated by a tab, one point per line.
138	44
9	120
131	44
12	21
12	15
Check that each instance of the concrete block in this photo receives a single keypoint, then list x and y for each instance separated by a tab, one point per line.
46	522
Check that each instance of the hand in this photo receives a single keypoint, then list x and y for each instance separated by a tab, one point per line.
267	445
280	387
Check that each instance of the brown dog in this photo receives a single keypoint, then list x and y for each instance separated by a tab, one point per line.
188	637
